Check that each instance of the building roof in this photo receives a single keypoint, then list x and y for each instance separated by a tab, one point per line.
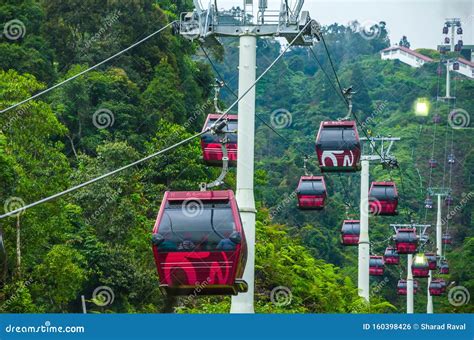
466	62
407	50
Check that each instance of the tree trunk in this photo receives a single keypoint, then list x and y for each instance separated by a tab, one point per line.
170	303
3	260
18	246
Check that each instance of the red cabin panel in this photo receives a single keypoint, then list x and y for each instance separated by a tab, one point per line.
420	266
210	143
199	244
338	146
311	193
376	265
391	257
444	267
350	233
383	198
402	287
406	241
432	260
436	287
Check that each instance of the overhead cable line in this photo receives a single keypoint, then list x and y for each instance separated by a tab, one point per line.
87	70
94	180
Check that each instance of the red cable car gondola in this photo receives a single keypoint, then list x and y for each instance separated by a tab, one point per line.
456	66
350	232
448	200
211	145
198	241
420	266
447	40
376	265
311	192
445	30
406	240
444	267
433	163
432	260
447	239
338	146
459	30
443	284
383	198
391	256
402	287
435	287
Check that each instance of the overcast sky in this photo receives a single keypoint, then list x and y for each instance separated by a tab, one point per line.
420	20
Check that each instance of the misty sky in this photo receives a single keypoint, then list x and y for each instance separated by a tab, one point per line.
420	20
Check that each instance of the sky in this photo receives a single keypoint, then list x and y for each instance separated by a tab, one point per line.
420	20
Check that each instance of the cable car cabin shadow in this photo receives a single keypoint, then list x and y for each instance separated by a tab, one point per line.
199	244
338	146
376	265
383	198
311	193
210	143
350	233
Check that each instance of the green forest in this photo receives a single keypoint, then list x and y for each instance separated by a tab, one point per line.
159	93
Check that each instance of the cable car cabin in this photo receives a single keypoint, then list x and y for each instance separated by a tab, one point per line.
443	284
402	287
447	239
456	66
459	30
311	192
391	256
435	287
447	40
406	240
448	200
376	265
460	43
445	30
444	267
437	118
199	244
420	266
338	146
432	260
429	203
350	232
210	143
457	48
383	198
433	163
451	159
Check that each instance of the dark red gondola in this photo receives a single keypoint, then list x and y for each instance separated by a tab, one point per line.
420	266
210	143
350	232
435	287
447	40
457	48
433	163
446	238
456	66
376	265
460	43
443	284
436	119
198	242
383	198
391	256
402	287
448	200
338	146
445	30
429	203
459	30
311	193
406	240
432	260
444	267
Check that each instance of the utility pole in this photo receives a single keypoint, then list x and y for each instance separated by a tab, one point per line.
206	25
385	158
423	238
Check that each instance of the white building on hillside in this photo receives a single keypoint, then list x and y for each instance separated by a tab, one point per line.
405	55
466	67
